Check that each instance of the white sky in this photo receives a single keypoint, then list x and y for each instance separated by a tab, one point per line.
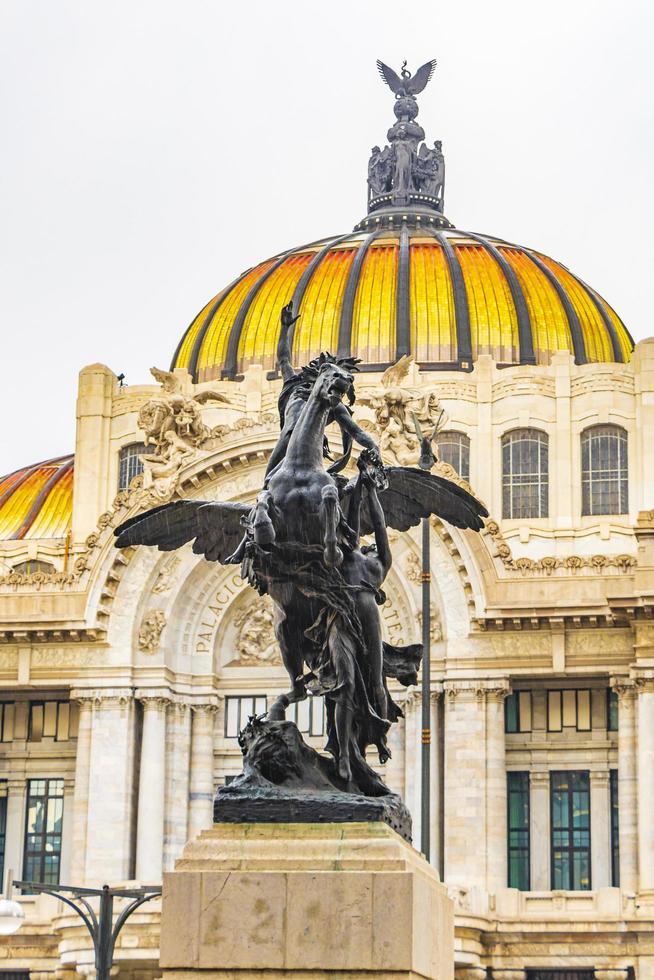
152	150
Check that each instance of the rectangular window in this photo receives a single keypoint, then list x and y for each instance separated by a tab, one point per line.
611	711
518	830
570	834
239	709
568	709
615	829
45	811
50	719
7	722
517	712
308	715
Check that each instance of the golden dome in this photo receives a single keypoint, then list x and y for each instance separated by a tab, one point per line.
37	501
443	295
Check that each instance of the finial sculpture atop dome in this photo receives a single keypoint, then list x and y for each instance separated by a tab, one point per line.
406	173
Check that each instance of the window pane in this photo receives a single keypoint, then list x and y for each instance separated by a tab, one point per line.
36	723
525	485
554	711
570	819
63	722
518	830
50	719
615	830
569	709
74	720
8	723
453	448
524	701
583	711
511	713
231	717
130	464
604	470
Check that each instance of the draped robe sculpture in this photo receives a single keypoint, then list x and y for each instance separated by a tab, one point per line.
301	544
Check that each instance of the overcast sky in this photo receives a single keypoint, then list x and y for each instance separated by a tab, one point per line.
152	150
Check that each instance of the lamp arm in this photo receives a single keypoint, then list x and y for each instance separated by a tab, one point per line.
125	914
90	923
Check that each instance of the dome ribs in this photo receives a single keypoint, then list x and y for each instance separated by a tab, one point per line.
231	360
347	310
304	281
403	298
199	340
41	499
461	310
524	321
618	353
578	342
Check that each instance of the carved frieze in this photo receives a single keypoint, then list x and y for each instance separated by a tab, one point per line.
152	626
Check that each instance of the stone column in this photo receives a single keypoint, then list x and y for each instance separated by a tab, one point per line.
110	827
15	832
627	783
201	788
496	803
178	751
81	795
645	687
539	830
600	830
152	774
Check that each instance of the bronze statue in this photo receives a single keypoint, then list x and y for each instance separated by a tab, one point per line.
301	544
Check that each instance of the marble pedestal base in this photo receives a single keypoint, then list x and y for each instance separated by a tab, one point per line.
270	901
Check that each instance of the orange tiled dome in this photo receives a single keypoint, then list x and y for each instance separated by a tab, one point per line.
37	501
444	295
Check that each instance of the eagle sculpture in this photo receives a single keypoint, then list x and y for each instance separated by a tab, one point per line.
407	85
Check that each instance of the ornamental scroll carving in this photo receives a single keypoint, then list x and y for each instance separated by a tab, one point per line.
551	563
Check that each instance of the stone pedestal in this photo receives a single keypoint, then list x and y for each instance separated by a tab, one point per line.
300	900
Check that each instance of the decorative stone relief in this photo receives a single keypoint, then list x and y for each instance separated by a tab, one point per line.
255	636
164	581
152	627
435	625
394	403
550	563
37	580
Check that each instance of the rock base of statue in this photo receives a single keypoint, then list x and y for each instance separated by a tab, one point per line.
284	780
304	900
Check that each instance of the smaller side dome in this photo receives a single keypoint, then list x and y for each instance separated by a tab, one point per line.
37	501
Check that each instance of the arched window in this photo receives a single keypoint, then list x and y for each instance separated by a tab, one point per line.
525	488
130	464
33	565
454	449
604	478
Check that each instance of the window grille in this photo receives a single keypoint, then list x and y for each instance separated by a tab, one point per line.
604	477
453	448
518	830
525	482
130	463
239	709
570	833
33	565
45	811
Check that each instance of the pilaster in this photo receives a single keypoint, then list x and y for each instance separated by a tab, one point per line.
80	801
600	829
15	830
645	724
539	830
627	782
152	774
176	793
201	786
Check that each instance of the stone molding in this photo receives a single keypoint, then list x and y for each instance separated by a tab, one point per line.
157	700
477	690
208	706
600	777
644	682
470	973
624	687
511	973
104	696
613	974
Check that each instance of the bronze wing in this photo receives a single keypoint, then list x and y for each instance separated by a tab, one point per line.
417	82
392	79
413	494
214	527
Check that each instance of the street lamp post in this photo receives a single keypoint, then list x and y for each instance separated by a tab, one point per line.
426	461
101	926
